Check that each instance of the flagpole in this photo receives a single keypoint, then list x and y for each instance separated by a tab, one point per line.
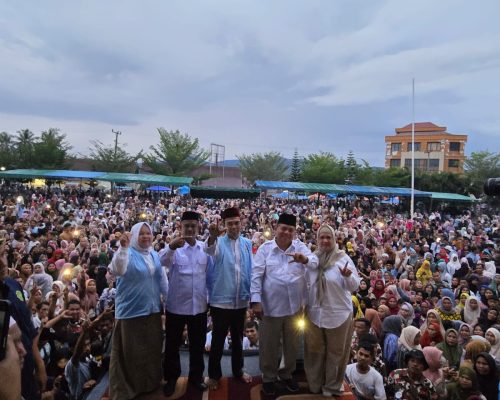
412	201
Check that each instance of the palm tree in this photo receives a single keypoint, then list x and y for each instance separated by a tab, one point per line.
7	157
5	140
24	143
51	150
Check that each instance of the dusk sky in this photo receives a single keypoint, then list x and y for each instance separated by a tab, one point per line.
251	75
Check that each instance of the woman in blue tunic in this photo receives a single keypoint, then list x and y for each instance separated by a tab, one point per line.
135	365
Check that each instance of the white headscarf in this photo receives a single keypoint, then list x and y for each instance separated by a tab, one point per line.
471	316
145	252
134	240
407	338
495	347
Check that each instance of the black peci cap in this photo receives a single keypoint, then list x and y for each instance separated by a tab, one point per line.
288	219
231	212
190	215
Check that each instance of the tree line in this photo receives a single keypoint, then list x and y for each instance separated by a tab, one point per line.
326	167
179	154
176	154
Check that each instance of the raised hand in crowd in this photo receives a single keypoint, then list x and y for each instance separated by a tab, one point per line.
216	230
345	272
125	239
177	243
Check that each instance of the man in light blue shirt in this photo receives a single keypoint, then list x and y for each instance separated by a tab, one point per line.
229	293
187	264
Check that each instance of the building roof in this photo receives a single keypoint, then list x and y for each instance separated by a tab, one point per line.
422	127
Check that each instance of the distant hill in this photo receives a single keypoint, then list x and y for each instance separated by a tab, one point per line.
231	163
236	163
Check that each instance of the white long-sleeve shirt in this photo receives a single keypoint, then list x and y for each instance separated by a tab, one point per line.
187	276
337	298
277	283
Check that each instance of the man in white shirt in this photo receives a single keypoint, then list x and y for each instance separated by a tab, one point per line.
278	294
365	381
186	303
229	293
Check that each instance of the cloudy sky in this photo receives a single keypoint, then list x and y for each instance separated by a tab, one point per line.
251	75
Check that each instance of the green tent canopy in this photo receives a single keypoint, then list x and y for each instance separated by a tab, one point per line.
100	176
212	192
450	197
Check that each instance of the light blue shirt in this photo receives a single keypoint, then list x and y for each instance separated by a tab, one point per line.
77	375
230	276
140	283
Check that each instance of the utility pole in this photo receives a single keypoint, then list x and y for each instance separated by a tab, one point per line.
116	140
114	157
412	200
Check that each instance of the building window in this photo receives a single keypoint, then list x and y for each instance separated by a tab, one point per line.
454	146
395	163
420	163
433	164
417	146
433	146
453	163
395	147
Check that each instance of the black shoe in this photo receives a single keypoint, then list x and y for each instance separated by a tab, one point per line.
269	388
291	385
199	385
169	388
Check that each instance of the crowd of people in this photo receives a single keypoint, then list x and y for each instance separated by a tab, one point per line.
394	307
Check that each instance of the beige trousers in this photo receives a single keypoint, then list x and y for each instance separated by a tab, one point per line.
278	336
326	353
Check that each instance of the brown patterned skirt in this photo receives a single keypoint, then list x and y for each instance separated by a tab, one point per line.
135	365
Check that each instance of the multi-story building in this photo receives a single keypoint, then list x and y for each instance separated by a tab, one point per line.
435	149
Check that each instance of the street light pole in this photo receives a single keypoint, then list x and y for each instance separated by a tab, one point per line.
412	200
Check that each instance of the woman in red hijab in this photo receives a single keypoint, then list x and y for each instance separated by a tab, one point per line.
378	288
57	255
432	335
392	303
